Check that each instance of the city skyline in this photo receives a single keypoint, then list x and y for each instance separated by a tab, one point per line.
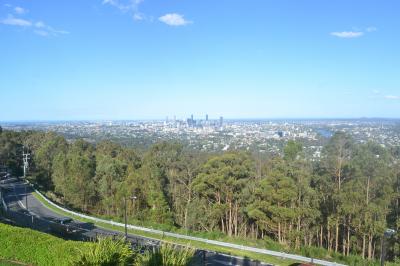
143	60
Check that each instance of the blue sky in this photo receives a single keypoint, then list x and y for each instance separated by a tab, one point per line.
147	59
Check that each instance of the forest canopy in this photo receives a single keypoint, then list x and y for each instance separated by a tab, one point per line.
342	202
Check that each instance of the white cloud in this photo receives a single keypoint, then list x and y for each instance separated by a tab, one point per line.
41	33
354	33
348	34
39	27
39	24
138	16
45	30
127	6
174	19
376	91
12	21
20	10
392	97
116	4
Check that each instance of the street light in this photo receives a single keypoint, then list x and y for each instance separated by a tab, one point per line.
387	234
126	222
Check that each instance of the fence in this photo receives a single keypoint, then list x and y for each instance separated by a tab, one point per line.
213	242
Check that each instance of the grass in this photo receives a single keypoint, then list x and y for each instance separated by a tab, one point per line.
9	263
35	248
195	244
22	246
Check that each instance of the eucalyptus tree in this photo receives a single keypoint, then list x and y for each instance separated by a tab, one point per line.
220	185
336	157
373	172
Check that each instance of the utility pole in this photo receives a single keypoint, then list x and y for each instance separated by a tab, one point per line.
25	157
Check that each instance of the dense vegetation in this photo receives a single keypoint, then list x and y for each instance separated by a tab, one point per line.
32	247
342	203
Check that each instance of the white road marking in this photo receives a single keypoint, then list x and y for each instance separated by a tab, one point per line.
226	263
19	202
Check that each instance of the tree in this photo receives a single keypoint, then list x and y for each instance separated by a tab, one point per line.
371	163
221	182
272	199
73	174
44	147
292	150
342	202
110	173
11	150
335	160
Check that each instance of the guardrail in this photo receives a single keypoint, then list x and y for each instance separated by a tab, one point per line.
213	242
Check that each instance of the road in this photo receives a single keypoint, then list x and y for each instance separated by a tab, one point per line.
24	209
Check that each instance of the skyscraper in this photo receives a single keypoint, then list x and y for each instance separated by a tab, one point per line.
206	117
221	121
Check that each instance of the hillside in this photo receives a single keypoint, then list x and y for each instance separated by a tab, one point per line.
32	247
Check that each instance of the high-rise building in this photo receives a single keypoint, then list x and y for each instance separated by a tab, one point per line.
221	121
206	117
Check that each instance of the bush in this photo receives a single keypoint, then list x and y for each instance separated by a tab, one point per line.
106	252
166	255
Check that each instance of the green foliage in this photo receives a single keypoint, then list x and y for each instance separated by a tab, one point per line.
51	144
36	248
220	185
340	204
10	150
292	150
106	252
167	255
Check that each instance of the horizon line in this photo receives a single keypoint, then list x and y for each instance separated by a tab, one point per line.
225	118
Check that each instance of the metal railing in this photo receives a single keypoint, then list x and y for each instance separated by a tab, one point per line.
186	237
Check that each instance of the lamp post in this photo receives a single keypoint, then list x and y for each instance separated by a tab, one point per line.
126	216
387	234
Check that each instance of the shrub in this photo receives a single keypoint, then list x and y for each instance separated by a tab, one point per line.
166	255
106	252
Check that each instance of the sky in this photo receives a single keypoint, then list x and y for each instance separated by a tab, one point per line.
148	59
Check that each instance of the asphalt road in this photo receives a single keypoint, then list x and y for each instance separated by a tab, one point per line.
24	209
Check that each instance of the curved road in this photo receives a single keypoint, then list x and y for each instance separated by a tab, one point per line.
24	209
